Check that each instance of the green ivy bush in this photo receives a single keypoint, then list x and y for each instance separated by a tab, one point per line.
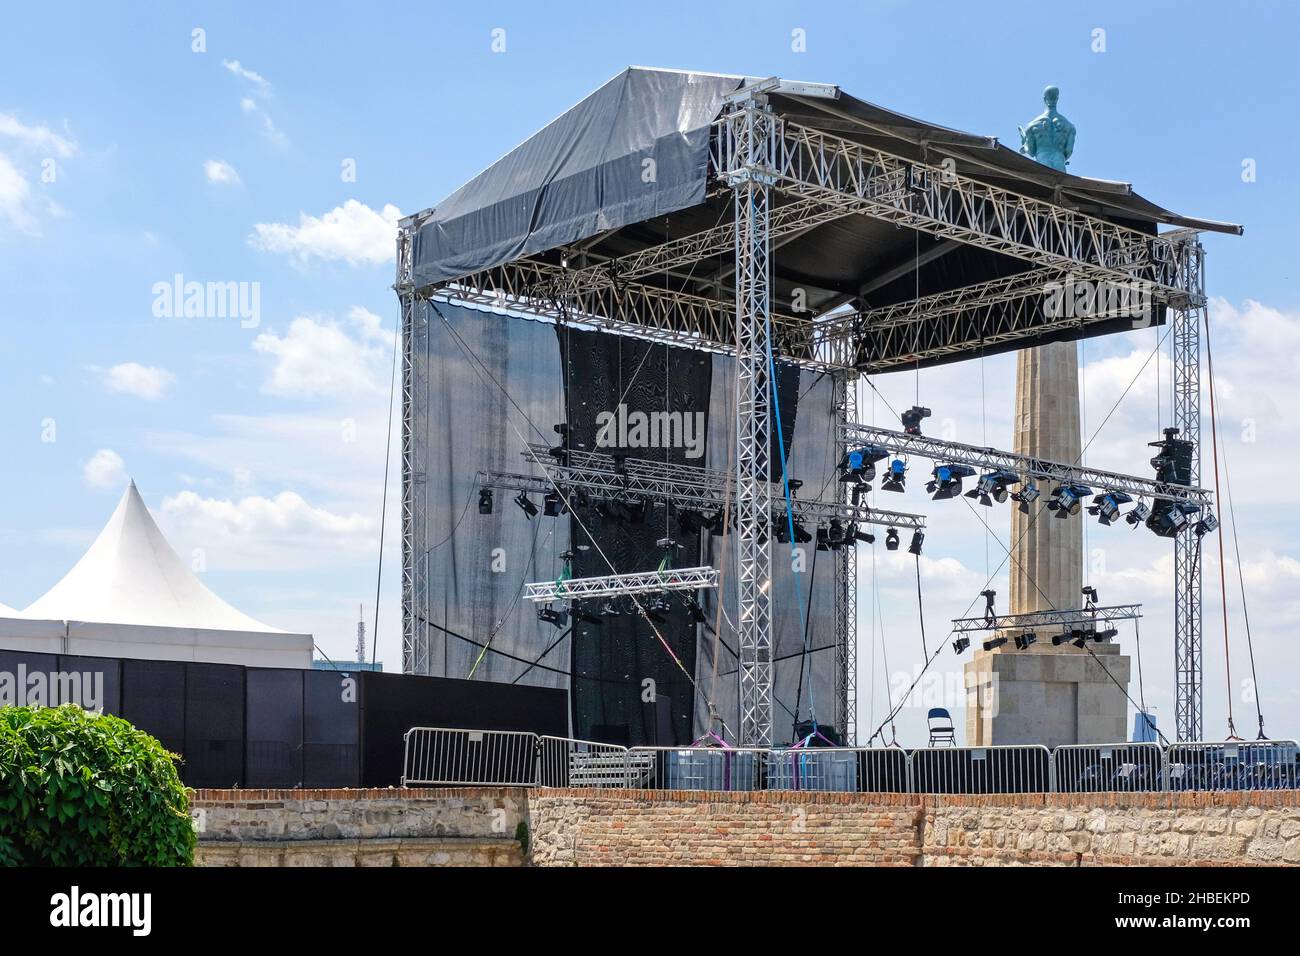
83	789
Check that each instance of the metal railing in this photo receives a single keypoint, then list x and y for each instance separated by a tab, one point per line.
1002	769
1123	768
1233	765
452	757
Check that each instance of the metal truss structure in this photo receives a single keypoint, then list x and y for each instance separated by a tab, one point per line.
1043	620
785	178
1188	663
618	585
844	398
684	486
1039	469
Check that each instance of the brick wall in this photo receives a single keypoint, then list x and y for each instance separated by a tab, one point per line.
587	828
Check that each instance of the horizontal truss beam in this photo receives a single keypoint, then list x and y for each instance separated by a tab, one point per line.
618	585
1040	620
1040	469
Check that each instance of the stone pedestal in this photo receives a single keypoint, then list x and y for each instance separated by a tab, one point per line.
1056	696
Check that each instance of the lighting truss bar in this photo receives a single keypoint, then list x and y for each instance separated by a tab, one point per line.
811	164
687	486
990	459
844	400
617	585
1048	620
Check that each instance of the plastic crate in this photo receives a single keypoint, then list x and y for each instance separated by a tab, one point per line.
813	769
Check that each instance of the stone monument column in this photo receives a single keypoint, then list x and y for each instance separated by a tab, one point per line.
1046	694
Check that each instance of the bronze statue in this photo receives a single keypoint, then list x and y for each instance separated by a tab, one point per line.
1049	137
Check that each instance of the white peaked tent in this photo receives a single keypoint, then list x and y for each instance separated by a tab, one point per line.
131	595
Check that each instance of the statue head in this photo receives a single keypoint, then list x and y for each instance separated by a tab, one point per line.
1051	96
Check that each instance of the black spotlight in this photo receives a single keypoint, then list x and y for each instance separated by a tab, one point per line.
1059	639
1105	506
782	532
961	644
552	616
1024	640
946	482
1105	635
994	642
913	417
1027	495
1081	636
525	503
1170	517
836	533
485	501
695	610
918	539
636	511
853	532
1138	514
823	540
993	487
552	504
1089	594
691	521
1205	525
801	535
891	539
895	476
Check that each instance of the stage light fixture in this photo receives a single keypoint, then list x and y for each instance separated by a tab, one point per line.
781	532
1089	593
1067	499
1105	506
993	487
1173	463
1080	636
1105	635
801	535
854	533
961	644
895	476
1169	517
913	417
946	482
1138	514
636	511
552	616
526	505
485	501
836	533
994	642
918	538
552	504
891	539
1059	639
695	609
1027	495
1205	525
1024	640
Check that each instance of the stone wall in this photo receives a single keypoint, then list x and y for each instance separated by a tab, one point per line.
388	827
477	827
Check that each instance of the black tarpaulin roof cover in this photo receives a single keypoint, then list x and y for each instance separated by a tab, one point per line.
637	149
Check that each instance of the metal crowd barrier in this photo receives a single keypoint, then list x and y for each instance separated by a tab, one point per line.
1233	765
451	757
1001	769
1122	768
439	756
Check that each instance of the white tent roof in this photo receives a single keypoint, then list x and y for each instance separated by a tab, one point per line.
131	575
7	611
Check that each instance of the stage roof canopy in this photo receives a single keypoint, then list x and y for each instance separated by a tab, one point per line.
627	168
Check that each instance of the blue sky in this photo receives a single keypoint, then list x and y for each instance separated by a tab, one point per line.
262	447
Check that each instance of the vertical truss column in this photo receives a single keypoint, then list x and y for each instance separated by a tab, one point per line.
751	129
415	606
846	585
1188	664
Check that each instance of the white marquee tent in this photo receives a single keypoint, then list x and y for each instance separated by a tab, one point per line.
131	595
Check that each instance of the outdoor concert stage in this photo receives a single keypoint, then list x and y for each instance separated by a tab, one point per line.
720	258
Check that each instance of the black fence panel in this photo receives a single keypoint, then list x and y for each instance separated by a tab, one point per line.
100	677
331	741
153	698
214	725
274	727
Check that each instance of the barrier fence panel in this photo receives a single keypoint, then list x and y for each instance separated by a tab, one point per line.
437	756
1096	768
1003	769
726	769
1233	765
562	762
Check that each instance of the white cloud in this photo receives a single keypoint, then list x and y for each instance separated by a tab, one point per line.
105	469
220	171
280	533
237	68
353	232
15	197
37	138
320	357
142	381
